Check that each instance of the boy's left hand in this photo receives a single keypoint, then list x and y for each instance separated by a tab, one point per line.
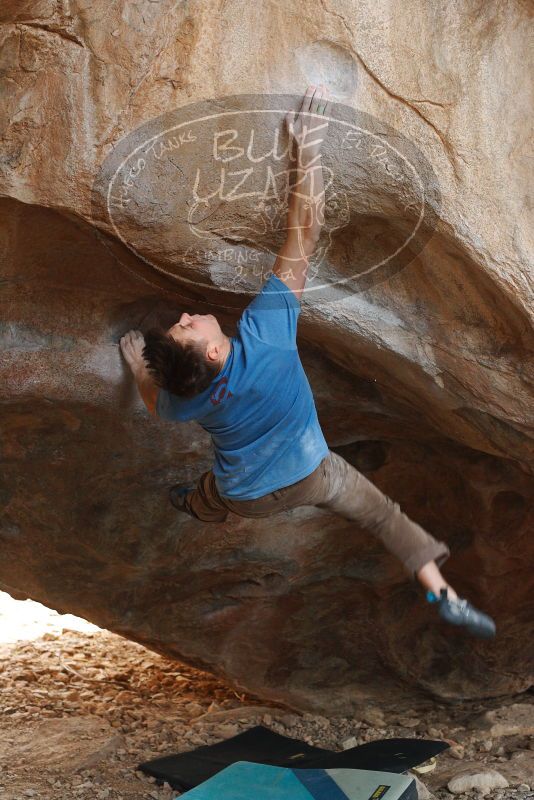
132	344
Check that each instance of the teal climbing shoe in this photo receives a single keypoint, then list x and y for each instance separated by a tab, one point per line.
458	611
177	494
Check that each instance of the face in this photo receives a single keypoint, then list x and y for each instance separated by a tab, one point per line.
197	327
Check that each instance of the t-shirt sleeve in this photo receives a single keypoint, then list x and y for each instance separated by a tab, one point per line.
273	315
171	407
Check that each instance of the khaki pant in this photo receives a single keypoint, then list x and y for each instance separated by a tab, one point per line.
338	486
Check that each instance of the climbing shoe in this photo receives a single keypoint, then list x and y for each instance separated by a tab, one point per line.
177	494
460	612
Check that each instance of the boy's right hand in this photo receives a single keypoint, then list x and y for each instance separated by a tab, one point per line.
309	126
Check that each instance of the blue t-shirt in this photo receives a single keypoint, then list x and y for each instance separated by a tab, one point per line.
259	410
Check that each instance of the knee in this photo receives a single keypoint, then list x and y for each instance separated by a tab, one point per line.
378	517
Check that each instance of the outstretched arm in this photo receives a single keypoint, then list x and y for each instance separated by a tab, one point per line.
132	344
305	216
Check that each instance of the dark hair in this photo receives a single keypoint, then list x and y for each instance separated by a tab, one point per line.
182	369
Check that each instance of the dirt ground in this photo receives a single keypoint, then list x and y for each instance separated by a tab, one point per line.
80	710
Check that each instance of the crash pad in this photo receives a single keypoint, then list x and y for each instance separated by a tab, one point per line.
245	780
263	746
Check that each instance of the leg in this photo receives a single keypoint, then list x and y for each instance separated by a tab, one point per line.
204	501
338	486
351	495
432	579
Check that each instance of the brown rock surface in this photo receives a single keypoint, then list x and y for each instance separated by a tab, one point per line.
422	374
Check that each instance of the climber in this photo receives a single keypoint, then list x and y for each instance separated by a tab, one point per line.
251	394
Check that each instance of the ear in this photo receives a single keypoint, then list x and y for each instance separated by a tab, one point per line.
213	352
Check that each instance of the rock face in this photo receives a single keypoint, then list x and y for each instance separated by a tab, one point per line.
416	334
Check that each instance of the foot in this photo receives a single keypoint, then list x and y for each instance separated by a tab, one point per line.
177	494
460	612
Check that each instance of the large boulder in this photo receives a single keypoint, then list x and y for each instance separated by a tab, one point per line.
416	333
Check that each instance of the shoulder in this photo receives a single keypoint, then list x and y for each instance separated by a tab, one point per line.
277	294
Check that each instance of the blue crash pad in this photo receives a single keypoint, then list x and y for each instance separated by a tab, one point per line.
247	781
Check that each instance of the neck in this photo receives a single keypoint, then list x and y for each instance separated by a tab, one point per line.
226	353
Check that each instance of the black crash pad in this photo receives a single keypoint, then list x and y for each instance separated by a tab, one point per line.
260	745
